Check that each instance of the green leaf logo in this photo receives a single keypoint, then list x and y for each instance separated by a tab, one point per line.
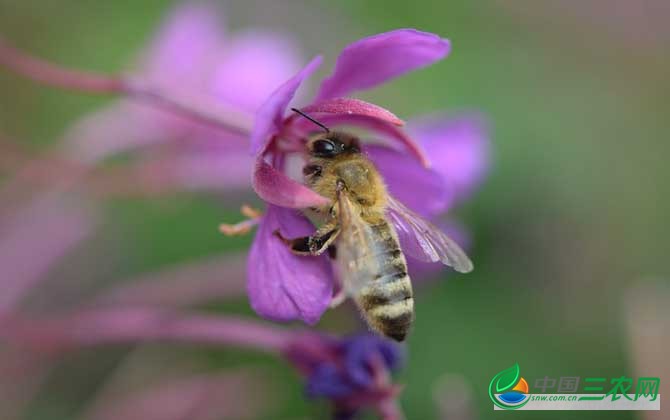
506	379
503	382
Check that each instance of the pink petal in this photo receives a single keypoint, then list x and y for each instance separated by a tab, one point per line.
252	68
186	46
181	56
283	286
352	106
374	60
213	172
120	127
459	150
276	188
270	116
421	189
377	125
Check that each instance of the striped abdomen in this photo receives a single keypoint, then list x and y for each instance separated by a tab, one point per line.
386	300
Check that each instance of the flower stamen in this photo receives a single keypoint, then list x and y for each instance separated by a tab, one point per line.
253	218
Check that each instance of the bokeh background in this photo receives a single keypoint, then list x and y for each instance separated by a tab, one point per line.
570	230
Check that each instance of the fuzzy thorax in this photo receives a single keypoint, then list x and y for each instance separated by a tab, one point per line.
360	178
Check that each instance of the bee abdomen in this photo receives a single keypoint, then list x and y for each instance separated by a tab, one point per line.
390	312
393	320
388	302
395	287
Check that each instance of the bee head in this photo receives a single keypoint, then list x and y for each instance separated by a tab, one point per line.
332	144
329	144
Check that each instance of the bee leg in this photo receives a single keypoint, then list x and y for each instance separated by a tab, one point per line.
310	245
323	239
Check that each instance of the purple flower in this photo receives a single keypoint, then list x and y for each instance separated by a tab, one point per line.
429	172
272	279
442	162
353	373
458	148
191	56
440	165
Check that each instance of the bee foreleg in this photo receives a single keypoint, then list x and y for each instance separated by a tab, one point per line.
316	244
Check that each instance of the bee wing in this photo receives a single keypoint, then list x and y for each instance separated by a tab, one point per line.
355	260
424	241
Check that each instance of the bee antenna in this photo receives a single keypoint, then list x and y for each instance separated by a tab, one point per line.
297	111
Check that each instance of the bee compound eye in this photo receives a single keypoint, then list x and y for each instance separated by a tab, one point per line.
324	148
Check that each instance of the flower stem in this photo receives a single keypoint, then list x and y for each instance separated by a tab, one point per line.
145	178
197	108
123	325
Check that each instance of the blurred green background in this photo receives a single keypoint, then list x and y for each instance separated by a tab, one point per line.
571	220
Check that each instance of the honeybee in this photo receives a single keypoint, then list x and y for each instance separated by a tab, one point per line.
358	231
